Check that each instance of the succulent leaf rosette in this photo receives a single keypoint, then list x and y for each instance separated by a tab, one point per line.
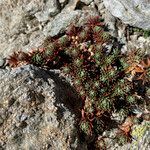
100	73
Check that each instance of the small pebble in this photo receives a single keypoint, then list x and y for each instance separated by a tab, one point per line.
8	68
1	120
134	38
62	1
141	39
148	92
2	61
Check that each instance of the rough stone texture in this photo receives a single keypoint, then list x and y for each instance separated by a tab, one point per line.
2	62
51	8
71	5
63	3
60	23
140	141
110	20
38	110
19	24
139	42
87	2
133	12
25	24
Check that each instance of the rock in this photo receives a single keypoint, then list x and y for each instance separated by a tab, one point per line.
100	5
51	8
2	62
133	37
64	19
109	19
87	2
60	23
38	110
24	25
148	92
132	12
71	5
139	43
21	23
85	16
63	3
111	22
140	140
141	39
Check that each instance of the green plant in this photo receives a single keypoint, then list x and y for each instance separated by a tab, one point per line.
145	33
99	75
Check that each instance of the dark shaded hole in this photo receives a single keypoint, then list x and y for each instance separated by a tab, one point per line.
11	101
59	61
120	103
23	124
80	5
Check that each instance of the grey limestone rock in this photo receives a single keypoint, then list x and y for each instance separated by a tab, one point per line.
132	12
51	8
87	2
38	110
24	25
2	62
64	19
61	22
21	25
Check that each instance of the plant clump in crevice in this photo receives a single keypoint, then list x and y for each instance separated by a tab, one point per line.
104	77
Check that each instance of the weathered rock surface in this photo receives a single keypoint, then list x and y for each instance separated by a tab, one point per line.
133	12
62	20
140	140
25	24
38	110
60	23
